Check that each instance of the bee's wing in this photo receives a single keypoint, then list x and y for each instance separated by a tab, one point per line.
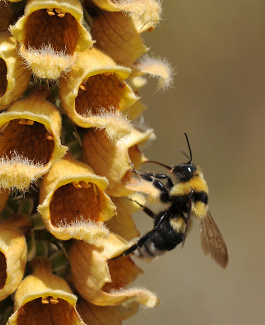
212	241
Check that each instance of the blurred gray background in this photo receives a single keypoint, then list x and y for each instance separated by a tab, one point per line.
218	98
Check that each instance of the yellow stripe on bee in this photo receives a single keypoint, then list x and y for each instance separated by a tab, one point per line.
196	183
178	224
199	209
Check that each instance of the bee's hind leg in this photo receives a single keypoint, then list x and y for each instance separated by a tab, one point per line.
127	252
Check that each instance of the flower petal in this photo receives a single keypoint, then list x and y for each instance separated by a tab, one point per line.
13	253
105	315
29	142
43	297
116	34
112	159
123	224
95	89
145	13
105	283
157	68
14	78
51	31
73	203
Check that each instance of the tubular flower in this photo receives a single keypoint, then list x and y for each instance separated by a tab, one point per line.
44	298
73	203
105	283
127	19
51	31
94	92
13	253
97	147
30	141
71	76
14	78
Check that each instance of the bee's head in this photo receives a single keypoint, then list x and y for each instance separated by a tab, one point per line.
184	171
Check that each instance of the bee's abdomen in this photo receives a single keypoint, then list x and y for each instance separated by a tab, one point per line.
165	239
149	250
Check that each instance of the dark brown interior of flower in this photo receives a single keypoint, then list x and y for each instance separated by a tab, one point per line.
70	204
3	274
102	91
21	141
36	312
42	30
3	80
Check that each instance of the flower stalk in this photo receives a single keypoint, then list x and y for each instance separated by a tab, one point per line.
70	83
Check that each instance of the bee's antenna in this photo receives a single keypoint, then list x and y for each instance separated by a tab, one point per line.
189	148
184	153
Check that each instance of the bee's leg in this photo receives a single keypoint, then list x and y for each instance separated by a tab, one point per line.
169	181
125	253
159	218
149	212
142	242
156	183
158	176
151	176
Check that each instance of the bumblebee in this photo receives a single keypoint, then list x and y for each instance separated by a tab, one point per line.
186	198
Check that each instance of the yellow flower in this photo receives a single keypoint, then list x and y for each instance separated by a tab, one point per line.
71	72
73	203
14	78
114	157
50	33
94	92
13	253
105	283
123	224
30	141
127	20
43	294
